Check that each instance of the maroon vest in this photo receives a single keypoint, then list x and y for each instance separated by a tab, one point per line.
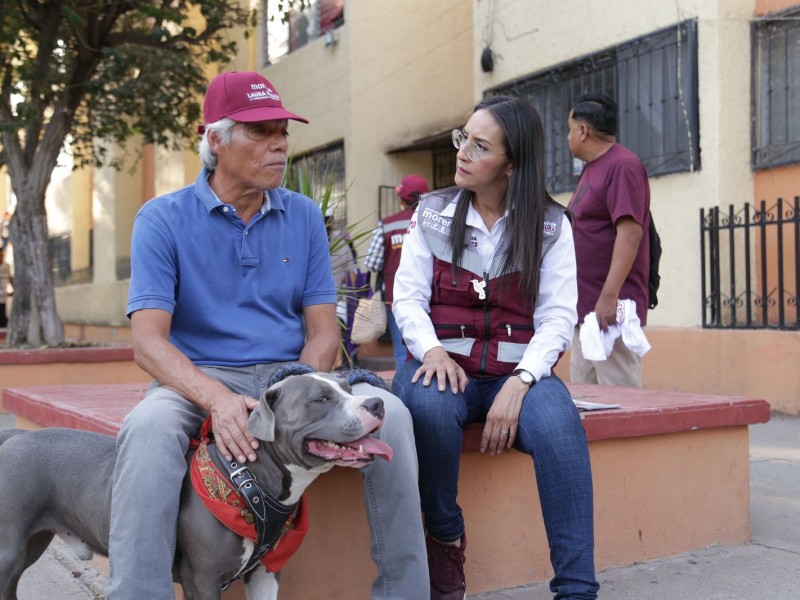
480	318
394	232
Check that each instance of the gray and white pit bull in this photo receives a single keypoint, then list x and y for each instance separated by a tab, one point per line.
59	481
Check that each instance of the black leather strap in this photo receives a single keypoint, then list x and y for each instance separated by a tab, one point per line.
270	515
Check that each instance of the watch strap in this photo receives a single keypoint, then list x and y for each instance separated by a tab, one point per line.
525	376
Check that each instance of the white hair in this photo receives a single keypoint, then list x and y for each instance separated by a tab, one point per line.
224	131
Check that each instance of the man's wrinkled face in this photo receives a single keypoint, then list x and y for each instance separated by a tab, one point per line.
256	156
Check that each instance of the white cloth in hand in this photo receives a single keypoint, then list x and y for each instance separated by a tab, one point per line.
597	345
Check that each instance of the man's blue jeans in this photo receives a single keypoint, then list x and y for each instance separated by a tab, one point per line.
549	430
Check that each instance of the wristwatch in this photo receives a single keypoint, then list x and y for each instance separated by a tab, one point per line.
525	376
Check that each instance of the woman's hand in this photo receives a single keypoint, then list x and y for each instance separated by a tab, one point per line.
437	362
500	429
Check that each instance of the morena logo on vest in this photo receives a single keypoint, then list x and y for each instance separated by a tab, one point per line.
397	240
434	220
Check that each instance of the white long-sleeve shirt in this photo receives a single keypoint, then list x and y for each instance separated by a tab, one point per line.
554	317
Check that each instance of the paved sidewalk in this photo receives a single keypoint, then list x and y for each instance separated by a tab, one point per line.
768	568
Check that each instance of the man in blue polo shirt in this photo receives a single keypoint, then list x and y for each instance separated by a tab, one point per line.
231	278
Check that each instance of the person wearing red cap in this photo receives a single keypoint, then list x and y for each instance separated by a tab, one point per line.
230	279
383	254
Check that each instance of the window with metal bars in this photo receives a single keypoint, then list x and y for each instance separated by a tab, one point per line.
59	248
314	173
287	27
776	90
654	82
444	166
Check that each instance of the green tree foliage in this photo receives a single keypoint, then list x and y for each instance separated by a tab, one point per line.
73	72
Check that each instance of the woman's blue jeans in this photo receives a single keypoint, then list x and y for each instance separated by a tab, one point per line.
398	348
549	430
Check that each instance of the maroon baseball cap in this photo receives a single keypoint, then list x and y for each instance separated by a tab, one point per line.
412	187
243	96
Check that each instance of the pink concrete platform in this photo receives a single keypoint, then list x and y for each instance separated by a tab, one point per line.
106	364
98	407
92	407
651	412
67	355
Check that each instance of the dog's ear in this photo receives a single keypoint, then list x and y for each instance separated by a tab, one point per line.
262	420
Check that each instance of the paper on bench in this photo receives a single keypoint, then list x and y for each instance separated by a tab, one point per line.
582	405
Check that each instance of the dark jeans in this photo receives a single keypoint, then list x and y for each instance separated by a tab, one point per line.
398	348
549	430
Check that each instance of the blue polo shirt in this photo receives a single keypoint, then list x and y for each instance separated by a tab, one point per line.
236	292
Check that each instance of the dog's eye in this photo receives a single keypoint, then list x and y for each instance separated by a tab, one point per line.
322	400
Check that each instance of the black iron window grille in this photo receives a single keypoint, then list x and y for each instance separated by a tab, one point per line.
654	81
314	173
751	266
444	166
776	90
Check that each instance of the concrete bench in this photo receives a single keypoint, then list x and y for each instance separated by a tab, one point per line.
107	364
671	474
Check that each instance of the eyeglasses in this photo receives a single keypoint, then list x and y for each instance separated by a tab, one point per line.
473	150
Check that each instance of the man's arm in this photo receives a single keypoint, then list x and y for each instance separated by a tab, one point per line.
322	337
165	363
626	246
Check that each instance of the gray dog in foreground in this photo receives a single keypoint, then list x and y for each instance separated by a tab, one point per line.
59	481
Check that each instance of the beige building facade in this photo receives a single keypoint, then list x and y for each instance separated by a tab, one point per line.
385	83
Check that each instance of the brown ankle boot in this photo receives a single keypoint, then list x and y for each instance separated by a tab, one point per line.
446	566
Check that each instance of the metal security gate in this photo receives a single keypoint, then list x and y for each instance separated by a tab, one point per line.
751	266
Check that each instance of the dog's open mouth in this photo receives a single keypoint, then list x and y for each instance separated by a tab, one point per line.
353	454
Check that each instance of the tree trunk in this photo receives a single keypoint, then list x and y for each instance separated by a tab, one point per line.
34	320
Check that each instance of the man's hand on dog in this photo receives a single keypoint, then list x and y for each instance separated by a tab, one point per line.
229	415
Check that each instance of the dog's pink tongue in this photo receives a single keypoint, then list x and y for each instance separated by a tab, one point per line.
373	446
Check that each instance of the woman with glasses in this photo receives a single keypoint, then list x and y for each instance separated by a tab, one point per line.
485	298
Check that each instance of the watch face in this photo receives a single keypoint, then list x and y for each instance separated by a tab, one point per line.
525	376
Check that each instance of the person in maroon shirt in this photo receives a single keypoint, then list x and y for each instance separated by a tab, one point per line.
611	208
